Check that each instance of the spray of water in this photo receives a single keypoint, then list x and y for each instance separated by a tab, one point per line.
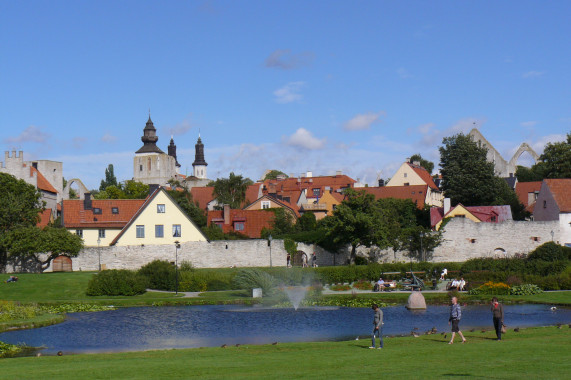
296	294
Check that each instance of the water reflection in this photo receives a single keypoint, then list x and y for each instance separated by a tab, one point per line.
146	328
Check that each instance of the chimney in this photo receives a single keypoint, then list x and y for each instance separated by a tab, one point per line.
381	182
416	163
446	205
339	172
226	214
153	187
87	201
309	174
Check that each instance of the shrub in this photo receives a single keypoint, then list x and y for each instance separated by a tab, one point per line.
249	279
159	275
550	251
525	290
186	266
490	287
116	282
340	287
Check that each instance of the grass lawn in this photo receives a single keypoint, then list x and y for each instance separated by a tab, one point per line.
532	354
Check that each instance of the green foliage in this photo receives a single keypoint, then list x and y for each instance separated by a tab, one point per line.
126	190
116	282
290	246
428	165
273	174
9	350
184	200
231	190
557	159
249	279
533	174
159	274
492	288
525	290
307	222
283	222
110	179
550	251
363	285
200	281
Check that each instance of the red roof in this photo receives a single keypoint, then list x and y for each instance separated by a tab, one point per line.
296	184
253	192
254	221
416	193
45	218
75	216
43	183
202	195
561	191
483	213
424	175
522	189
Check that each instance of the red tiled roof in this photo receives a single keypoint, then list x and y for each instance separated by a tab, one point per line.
253	192
43	183
424	175
202	195
483	213
561	191
522	189
416	193
75	215
254	221
281	202
297	184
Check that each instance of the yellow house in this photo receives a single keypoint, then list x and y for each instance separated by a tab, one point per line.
458	212
155	220
412	174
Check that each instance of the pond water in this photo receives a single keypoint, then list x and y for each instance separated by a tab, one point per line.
146	328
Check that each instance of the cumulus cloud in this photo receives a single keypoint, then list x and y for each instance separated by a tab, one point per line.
302	138
30	134
533	74
289	93
180	128
284	59
362	121
108	139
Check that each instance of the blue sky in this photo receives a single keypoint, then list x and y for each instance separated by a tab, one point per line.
320	86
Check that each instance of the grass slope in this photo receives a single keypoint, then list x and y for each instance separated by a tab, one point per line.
531	353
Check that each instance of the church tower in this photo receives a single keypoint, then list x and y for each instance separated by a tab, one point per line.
172	152
199	164
151	165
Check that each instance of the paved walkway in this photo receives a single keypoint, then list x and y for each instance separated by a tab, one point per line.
184	294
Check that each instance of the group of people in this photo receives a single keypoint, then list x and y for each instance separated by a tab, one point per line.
457	284
304	260
453	320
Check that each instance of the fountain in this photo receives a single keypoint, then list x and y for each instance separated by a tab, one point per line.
296	294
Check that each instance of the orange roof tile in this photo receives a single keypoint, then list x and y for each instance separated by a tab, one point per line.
424	175
202	195
561	191
75	216
254	221
43	183
522	189
416	193
299	183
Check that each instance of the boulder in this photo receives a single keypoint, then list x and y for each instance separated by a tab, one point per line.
416	301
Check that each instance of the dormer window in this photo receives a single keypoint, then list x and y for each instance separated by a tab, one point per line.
114	210
238	226
405	174
265	205
316	192
97	210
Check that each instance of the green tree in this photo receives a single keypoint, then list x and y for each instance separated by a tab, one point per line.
557	159
428	165
307	222
467	176
535	173
135	190
283	222
273	174
184	200
110	179
231	190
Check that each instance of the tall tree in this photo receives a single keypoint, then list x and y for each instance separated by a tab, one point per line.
557	159
110	179
467	176
231	190
428	165
183	198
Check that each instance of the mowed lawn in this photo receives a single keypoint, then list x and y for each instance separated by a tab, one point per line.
536	353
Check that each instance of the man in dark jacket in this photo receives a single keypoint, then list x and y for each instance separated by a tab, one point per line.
378	325
498	317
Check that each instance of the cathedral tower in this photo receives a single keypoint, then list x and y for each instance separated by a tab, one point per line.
199	164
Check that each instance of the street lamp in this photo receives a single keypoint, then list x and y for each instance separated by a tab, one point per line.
270	244
177	246
552	235
99	251
421	248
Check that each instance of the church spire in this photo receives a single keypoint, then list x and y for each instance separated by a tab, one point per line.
172	151
199	164
149	138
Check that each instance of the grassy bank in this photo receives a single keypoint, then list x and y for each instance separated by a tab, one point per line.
531	353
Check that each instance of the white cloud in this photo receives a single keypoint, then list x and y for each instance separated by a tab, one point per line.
108	139
285	60
533	74
363	121
302	138
180	128
289	93
30	134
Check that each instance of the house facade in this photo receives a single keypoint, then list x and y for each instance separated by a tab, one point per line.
415	175
554	203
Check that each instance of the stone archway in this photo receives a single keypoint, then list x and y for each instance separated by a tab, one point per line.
82	188
524	147
500	252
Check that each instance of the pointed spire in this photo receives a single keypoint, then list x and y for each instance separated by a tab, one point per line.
149	138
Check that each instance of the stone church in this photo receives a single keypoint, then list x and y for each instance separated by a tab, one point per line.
153	166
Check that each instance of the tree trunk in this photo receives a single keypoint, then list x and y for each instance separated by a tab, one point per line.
353	254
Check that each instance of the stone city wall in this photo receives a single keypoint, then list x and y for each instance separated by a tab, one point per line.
462	240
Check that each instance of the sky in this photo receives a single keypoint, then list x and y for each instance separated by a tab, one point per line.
297	86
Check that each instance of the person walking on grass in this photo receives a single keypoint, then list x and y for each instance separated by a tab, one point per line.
454	320
378	326
498	317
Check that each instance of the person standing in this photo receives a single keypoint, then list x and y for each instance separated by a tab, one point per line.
378	325
498	317
454	320
314	260
443	274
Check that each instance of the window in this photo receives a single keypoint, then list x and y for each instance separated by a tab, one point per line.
140	168
544	204
160	209
79	233
265	204
101	233
472	241
316	192
405	175
140	231
96	210
114	210
493	219
218	224
535	238
407	184
238	226
176	230
159	231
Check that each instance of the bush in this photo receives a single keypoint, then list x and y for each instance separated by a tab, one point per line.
525	290
340	287
159	275
363	285
550	251
495	288
249	279
200	281
116	282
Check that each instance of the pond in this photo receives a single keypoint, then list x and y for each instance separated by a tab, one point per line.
150	328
